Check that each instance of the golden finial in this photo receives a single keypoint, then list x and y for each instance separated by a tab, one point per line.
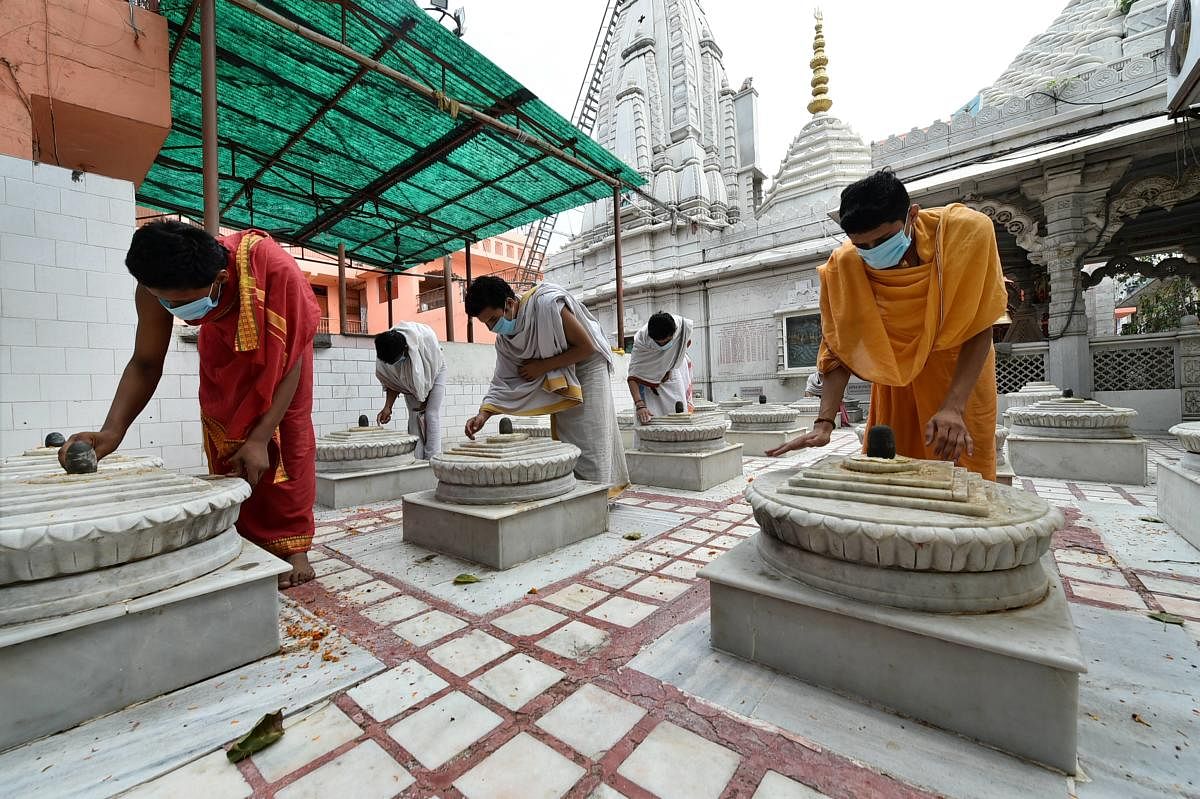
820	81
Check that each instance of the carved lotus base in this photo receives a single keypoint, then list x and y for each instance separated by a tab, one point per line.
362	448
1070	418
55	523
505	468
1188	434
941	522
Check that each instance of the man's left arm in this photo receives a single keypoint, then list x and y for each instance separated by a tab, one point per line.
947	431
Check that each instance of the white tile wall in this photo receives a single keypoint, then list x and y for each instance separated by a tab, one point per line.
67	326
67	318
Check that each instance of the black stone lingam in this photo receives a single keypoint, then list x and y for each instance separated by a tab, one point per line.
363	421
881	442
55	440
1068	393
81	458
679	407
506	427
762	399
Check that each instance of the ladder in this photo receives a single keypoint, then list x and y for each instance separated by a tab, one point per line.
583	116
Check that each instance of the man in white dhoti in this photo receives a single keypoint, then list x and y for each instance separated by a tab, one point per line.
660	371
552	358
409	362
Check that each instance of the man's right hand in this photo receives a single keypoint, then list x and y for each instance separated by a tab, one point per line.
103	441
644	416
384	416
475	424
817	437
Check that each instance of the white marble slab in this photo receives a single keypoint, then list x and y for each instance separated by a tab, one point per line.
383	551
110	754
885	742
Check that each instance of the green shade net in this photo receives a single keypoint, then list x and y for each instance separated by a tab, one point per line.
318	151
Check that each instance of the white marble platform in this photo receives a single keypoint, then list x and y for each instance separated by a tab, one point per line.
348	489
1008	679
689	471
1179	500
385	552
759	442
111	754
502	536
1115	460
58	672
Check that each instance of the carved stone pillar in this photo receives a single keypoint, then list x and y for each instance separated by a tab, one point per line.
1072	193
1189	368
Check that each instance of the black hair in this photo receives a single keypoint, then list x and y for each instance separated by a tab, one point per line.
873	201
660	326
390	345
485	292
174	255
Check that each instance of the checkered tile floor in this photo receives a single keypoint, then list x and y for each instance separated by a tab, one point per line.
534	700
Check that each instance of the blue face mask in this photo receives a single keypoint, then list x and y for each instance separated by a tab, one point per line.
889	252
196	309
504	326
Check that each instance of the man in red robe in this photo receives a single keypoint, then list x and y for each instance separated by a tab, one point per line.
257	318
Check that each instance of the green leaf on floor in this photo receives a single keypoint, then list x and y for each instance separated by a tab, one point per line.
425	559
465	579
632	536
1151	519
1166	618
267	731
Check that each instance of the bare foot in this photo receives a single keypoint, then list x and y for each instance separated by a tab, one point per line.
302	571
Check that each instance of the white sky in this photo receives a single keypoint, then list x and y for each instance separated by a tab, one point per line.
893	65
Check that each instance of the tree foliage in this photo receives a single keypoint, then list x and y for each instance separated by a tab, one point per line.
1160	310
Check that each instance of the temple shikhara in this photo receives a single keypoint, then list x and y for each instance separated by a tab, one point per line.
327	469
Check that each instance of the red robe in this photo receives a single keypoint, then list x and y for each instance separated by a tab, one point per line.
262	327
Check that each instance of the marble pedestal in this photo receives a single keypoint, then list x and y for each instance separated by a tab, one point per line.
758	442
1008	679
687	471
1179	500
60	671
1004	474
501	536
344	489
1116	460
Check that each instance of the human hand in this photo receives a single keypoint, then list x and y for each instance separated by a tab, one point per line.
103	441
251	461
532	370
643	415
384	416
475	424
947	433
817	437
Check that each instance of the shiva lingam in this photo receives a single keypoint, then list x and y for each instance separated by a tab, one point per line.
874	565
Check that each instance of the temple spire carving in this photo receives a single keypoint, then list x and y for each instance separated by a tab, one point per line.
821	101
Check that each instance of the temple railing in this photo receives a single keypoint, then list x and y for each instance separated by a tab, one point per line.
1018	364
1136	363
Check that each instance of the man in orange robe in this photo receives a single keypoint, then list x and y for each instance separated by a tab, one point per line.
257	318
908	304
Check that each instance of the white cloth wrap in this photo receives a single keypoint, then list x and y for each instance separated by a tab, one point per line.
665	373
414	376
592	426
540	334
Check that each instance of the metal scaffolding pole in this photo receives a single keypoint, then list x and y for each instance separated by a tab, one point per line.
389	298
470	321
208	92
620	278
448	294
342	289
